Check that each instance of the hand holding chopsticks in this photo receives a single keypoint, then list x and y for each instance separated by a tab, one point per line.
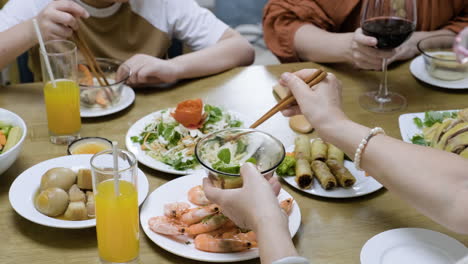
311	80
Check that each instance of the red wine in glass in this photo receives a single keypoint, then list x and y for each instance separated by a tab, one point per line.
391	22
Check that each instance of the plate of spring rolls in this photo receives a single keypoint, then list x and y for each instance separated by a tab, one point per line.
319	168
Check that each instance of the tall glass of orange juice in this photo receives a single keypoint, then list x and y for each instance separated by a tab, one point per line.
116	201
62	97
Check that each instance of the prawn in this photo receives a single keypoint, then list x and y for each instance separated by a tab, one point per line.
286	205
166	226
228	227
209	243
208	224
175	210
195	215
197	196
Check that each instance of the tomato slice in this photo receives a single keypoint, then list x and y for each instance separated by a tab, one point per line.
189	113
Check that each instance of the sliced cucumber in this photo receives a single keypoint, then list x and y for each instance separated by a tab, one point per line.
13	137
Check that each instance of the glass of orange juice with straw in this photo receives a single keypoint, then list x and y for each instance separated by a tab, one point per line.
61	91
116	200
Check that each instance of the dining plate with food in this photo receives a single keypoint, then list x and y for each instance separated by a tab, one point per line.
320	168
444	130
58	192
178	218
419	70
165	140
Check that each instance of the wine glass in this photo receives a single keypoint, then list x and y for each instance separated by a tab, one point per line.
391	22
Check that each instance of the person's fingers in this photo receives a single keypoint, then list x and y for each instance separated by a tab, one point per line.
65	19
249	174
362	39
275	185
61	31
300	90
268	176
213	193
72	8
304	73
291	111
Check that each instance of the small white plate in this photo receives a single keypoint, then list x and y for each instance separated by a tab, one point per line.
176	191
144	158
25	186
407	126
418	70
363	185
412	246
126	99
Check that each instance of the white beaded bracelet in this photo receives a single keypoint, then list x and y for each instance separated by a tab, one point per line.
363	144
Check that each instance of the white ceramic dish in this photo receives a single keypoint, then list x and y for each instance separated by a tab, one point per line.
364	184
411	246
176	191
418	70
126	99
7	158
25	186
145	159
407	126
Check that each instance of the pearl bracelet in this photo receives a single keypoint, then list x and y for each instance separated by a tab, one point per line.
363	144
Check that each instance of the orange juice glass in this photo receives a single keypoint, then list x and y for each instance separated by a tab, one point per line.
62	100
117	221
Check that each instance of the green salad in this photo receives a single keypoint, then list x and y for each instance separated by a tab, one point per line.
9	136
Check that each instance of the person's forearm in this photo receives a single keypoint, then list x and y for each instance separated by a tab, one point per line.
15	41
315	44
231	51
433	181
274	240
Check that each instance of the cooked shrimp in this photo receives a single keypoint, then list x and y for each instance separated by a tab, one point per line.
101	98
228	227
208	224
237	234
175	210
166	226
208	243
195	215
287	205
197	196
88	77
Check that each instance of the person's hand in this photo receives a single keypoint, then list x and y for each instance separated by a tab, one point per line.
408	49
247	206
147	69
59	19
363	53
320	104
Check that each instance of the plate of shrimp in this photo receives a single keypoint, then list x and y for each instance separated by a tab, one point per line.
178	218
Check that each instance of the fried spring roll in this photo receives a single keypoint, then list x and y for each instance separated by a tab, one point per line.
323	174
318	150
342	174
304	175
335	154
301	147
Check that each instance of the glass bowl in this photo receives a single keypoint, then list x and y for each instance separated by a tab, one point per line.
222	153
92	94
439	59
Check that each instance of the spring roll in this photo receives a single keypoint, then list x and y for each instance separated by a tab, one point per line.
301	148
323	174
342	174
304	175
335	154
318	150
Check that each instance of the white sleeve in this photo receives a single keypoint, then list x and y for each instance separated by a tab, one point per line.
17	11
292	260
196	26
463	260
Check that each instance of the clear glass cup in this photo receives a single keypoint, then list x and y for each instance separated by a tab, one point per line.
461	46
117	221
391	22
62	100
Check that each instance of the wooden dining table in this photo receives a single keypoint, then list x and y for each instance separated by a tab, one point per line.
331	231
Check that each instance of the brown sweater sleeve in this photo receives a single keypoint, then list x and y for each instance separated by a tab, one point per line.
282	18
459	22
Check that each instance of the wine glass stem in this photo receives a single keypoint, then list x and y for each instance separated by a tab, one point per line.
382	96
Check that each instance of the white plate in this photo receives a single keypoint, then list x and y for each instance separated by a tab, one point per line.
145	159
418	70
126	99
176	191
412	246
363	185
407	126
25	186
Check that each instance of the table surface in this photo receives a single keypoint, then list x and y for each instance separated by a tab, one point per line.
332	230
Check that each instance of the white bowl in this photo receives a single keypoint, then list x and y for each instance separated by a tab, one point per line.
7	158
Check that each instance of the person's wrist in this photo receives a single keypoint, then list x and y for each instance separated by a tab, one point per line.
269	217
31	33
347	52
331	126
178	69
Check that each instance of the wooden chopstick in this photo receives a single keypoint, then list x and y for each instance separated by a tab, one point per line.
90	59
311	80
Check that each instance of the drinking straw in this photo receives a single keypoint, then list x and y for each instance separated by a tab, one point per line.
44	52
116	167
